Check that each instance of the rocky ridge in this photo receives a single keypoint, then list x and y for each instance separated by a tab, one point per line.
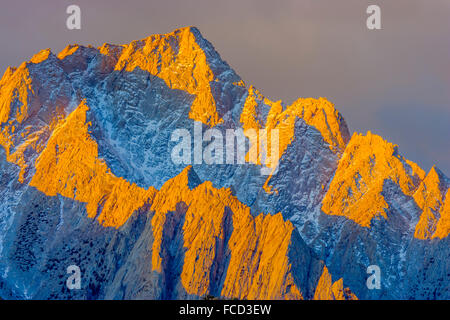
87	180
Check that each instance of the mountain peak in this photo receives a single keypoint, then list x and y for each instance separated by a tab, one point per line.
41	56
185	61
356	189
431	197
328	290
437	174
90	127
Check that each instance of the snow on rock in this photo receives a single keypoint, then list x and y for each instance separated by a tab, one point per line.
87	179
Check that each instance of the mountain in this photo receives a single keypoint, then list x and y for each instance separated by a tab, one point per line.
87	179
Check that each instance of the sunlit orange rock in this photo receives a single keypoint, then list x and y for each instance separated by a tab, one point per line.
443	225
258	267
356	189
327	290
178	59
15	93
69	165
67	51
40	56
15	84
261	113
430	198
220	236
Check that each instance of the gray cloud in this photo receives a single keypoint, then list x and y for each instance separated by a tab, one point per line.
394	82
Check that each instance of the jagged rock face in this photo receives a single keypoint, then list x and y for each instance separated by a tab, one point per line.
87	179
327	290
356	190
430	198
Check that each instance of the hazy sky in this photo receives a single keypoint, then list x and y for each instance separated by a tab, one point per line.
394	82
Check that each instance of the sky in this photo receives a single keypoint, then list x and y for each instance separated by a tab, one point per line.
394	82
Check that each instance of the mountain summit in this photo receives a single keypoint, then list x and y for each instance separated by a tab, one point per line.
87	180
